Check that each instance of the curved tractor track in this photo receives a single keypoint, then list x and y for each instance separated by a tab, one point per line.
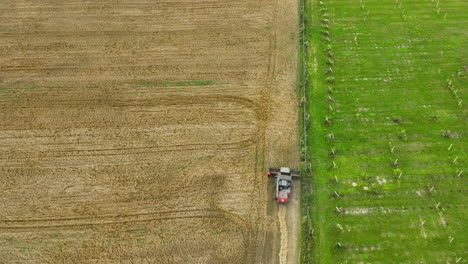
140	132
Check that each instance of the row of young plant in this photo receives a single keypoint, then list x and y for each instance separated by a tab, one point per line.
404	161
455	90
314	248
306	222
440	206
357	193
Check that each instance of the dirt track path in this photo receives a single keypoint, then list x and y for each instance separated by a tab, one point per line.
293	228
282	136
283	255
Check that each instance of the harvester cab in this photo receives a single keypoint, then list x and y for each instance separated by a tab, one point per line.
283	182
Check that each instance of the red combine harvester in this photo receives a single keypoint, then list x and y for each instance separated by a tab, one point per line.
283	182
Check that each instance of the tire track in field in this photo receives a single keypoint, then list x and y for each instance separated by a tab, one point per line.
74	222
70	222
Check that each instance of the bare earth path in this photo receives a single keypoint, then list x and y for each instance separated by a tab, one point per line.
282	136
139	132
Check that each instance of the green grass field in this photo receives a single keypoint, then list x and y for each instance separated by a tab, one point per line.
387	137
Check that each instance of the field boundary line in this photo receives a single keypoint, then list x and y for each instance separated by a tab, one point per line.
306	225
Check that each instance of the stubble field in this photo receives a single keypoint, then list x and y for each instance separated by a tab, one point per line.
137	132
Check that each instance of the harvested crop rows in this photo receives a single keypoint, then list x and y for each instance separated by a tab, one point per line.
134	132
390	130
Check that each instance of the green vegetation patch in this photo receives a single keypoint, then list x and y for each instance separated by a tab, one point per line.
388	130
9	92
